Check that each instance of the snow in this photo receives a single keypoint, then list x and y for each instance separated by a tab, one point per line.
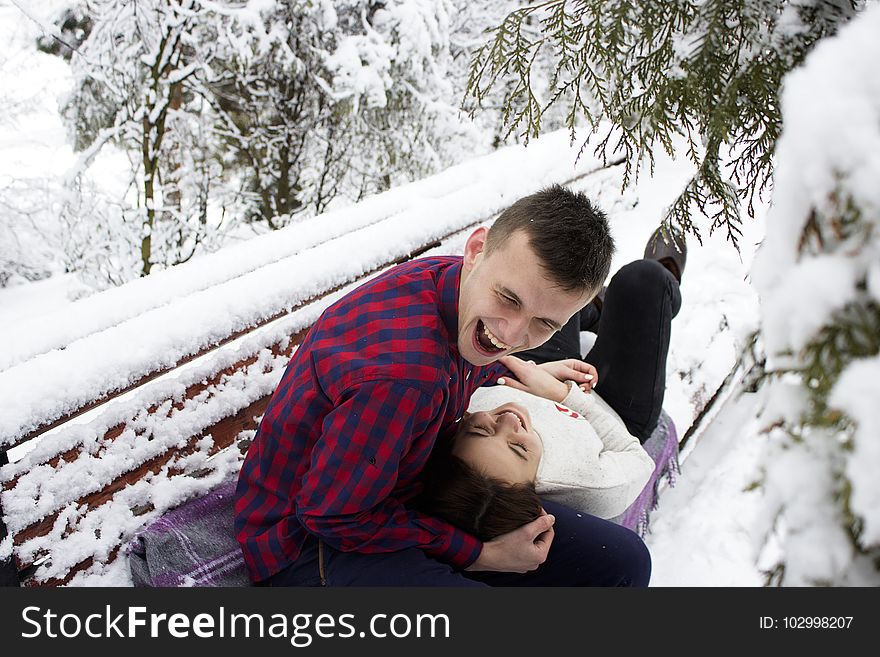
856	393
802	302
705	532
702	534
803	475
838	152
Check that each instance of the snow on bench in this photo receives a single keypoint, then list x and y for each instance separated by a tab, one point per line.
136	399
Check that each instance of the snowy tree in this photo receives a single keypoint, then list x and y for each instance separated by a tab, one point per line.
27	246
276	113
472	21
333	100
710	70
137	84
24	255
818	273
259	111
399	97
73	27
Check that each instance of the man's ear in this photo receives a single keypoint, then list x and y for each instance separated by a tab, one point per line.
475	245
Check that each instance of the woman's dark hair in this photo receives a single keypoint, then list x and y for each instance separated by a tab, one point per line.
481	505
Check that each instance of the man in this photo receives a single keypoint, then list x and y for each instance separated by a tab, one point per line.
323	492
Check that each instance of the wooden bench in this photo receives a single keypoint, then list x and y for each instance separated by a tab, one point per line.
153	398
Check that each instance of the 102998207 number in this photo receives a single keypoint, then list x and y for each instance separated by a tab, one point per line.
817	622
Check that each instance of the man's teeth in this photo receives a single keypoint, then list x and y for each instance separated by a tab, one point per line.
493	339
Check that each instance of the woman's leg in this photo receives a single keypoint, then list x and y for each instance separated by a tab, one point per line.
633	340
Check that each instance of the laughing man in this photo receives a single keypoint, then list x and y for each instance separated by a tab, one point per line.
322	498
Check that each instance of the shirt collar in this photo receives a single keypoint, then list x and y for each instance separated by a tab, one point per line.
448	285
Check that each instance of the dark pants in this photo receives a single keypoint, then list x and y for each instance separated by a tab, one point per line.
586	551
632	340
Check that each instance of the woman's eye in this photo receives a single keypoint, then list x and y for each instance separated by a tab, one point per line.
521	446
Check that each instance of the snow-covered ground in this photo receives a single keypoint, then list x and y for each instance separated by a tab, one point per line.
702	532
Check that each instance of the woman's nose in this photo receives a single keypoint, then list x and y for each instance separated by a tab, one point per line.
486	419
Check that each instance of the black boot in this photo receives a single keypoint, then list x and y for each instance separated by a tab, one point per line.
667	245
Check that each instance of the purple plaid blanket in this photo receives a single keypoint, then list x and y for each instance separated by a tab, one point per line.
193	545
662	446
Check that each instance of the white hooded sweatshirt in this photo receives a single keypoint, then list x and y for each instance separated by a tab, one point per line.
591	463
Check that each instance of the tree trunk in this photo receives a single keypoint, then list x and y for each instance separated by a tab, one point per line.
149	200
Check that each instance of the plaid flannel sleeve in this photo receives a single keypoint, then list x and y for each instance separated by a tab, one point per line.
346	495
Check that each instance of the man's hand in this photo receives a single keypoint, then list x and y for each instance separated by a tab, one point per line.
519	551
548	380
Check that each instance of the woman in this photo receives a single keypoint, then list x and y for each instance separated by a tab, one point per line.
547	439
536	436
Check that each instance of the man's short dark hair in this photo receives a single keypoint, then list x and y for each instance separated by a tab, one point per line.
568	233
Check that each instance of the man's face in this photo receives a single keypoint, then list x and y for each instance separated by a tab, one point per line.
506	302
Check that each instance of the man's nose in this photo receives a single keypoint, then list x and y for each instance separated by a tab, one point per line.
515	331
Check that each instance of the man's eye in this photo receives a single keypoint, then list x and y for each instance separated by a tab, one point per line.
508	300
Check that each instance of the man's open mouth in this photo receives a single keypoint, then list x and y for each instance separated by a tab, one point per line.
487	342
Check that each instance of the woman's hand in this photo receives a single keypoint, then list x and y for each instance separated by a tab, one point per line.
534	379
572	369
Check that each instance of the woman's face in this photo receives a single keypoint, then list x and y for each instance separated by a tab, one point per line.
501	442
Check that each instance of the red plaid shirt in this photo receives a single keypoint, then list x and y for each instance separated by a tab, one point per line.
353	421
